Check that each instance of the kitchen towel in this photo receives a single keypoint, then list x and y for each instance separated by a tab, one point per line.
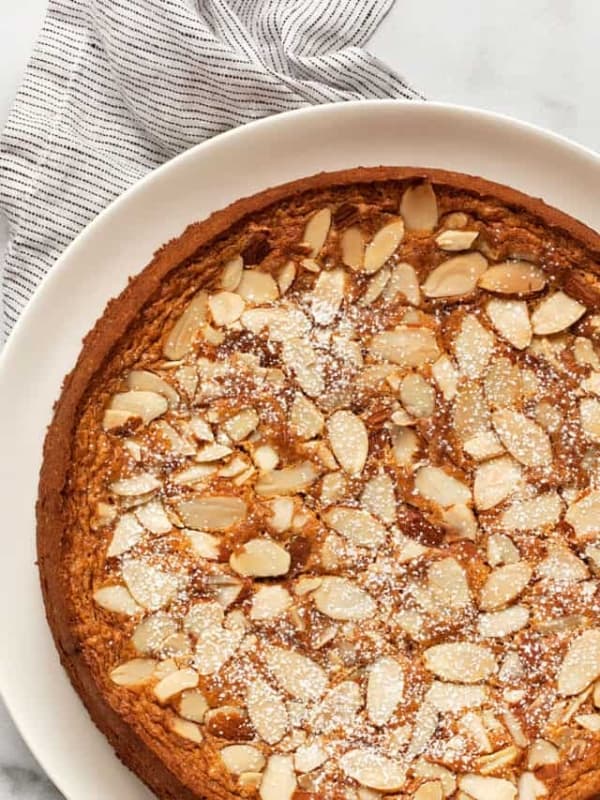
116	87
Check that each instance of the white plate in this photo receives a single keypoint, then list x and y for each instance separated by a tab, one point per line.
45	343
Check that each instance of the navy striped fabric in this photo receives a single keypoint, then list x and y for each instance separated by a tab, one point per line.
116	87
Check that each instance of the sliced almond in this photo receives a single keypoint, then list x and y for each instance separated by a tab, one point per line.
214	647
303	678
151	587
309	757
193	705
473	347
316	230
281	322
583	514
431	790
445	375
504	584
153	517
385	689
447	584
375	286
589	410
175	683
591	722
534	513
327	295
213	452
279	779
137	485
150	634
581	665
357	525
286	276
225	307
260	558
461	662
231	274
482	787
456	240
116	599
143	404
418	207
425	769
374	770
136	672
405	444
128	532
267	711
239	758
456	277
470	415
185	330
451	697
511	319
299	357
349	440
341	599
187	730
141	380
523	438
265	457
338	709
257	287
513	277
495	480
379	497
306	420
542	752
201	615
436	485
499	624
270	602
353	248
501	550
383	245
483	446
407	347
417	395
556	313
460	522
403	280
215	513
204	544
288	480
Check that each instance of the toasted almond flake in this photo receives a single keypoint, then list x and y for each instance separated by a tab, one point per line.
498	624
503	384
286	276
189	324
327	295
300	358
231	274
504	584
150	586
153	517
584	514
270	602
257	287
175	683
128	532
214	647
341	599
375	286
445	375
225	307
267	711
193	705
511	319
483	446
360	527
436	485
537	512
239	758
309	757
407	347
483	788
383	245
150	634
581	665
495	480
556	313
460	522
470	412
140	484
385	689
303	678
213	452
353	248
403	280
374	770
144	381
260	558
306	420
200	429
316	230
289	480
523	438
425	769
585	353
498	761
187	730
542	752
501	550
418	207
513	277
136	672
471	724
116	599
455	277
198	473
379	497
590	722
461	662
279	779
242	424
202	615
531	787
452	240
405	444
424	728
349	440
338	708
204	544
281	323
562	566
417	395
265	457
452	697
310	265
215	513
473	347
447	583
589	410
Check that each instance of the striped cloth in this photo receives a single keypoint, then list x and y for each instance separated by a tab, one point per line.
116	87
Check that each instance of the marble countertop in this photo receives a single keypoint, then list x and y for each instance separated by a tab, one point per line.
532	59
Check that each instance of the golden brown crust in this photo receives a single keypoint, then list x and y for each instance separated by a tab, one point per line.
577	781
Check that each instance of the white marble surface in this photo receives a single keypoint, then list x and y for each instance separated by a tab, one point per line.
533	59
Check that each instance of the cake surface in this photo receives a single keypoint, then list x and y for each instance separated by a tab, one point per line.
319	513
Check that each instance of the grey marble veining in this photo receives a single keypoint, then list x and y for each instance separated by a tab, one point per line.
533	59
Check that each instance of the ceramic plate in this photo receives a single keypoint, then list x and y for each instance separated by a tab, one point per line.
119	243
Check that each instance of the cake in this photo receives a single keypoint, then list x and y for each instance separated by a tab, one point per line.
319	510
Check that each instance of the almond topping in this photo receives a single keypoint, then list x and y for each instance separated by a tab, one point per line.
462	662
175	683
513	277
341	599
432	790
327	295
374	770
417	395
150	634
133	673
240	758
403	280
407	347
584	514
116	599
437	486
473	347
279	779
499	624
556	313
306	420
353	248
511	319
339	708
379	497
309	757
302	678
349	440
299	357
385	689
375	286
187	327
484	788
356	525
187	730
316	230
289	480
286	276
215	646
483	446
127	534
143	381
260	558
270	602
456	277
215	513
542	752
495	480
153	517
145	405
152	587
225	307
445	375
504	584
456	240
523	438
451	697
537	512
383	245
267	711
418	207
231	274
257	287
193	705
589	410
581	665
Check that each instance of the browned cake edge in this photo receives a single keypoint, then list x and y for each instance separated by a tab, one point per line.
579	783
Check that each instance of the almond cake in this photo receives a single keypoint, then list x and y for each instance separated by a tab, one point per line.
319	513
